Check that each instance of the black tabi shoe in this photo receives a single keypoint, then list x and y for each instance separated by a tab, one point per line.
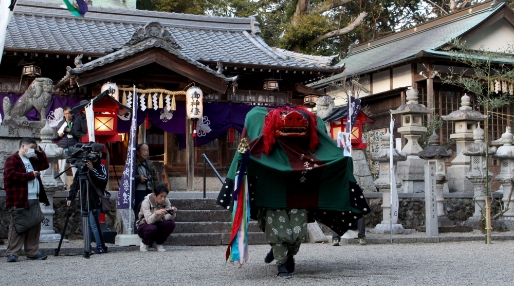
290	264
283	272
269	257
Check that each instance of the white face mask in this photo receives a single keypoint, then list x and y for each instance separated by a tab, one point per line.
31	153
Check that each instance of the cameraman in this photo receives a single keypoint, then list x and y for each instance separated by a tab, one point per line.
146	178
97	175
66	138
155	221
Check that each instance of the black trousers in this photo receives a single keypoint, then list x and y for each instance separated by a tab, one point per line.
361	226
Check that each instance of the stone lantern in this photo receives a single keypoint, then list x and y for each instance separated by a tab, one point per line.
505	154
411	171
435	155
50	183
383	183
477	171
465	120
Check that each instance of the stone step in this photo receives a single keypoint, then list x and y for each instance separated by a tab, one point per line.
203	215
195	204
198	239
210	227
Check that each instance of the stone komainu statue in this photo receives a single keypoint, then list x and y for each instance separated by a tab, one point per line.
37	96
324	106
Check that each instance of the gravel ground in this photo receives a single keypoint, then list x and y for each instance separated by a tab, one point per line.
450	263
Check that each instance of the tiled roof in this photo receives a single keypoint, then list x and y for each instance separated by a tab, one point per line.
134	49
320	60
396	49
128	4
47	28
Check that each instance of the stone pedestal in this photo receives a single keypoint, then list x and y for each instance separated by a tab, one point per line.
478	174
411	171
465	121
361	171
505	154
383	183
435	179
411	174
50	183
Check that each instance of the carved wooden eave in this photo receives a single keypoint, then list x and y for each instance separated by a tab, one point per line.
148	45
305	90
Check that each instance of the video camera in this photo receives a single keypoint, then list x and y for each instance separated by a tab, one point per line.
80	153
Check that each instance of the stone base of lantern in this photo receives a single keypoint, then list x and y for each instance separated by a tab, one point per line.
53	237
508	221
444	221
361	171
395	228
412	174
457	181
476	223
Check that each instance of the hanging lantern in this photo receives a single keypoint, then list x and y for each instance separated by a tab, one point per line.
114	93
31	70
310	100
194	102
270	84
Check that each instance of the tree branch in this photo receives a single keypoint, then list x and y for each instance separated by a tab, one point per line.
328	5
301	10
437	6
342	31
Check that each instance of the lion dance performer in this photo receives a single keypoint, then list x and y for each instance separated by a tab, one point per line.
288	174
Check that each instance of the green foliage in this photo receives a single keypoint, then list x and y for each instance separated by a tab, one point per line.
309	27
275	17
486	68
433	125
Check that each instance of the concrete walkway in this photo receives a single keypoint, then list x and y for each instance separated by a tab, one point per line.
460	262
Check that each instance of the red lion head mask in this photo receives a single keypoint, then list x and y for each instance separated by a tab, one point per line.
290	121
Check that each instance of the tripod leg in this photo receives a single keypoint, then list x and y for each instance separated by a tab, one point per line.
84	208
85	234
68	214
56	251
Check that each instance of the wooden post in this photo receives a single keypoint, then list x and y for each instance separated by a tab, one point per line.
488	227
430	89
190	150
168	149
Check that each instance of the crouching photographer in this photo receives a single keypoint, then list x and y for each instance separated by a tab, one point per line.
89	182
155	220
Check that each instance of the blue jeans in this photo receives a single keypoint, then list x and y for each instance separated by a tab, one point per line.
94	228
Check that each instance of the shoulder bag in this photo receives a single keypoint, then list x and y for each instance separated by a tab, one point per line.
25	219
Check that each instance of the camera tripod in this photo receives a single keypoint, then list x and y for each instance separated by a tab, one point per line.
81	179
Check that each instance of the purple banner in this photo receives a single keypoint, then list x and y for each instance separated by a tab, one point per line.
355	107
170	121
127	186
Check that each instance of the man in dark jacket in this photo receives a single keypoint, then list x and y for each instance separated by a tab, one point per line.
24	189
66	138
146	178
95	173
79	128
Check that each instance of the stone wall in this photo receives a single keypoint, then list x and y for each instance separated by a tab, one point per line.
412	211
74	228
411	215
